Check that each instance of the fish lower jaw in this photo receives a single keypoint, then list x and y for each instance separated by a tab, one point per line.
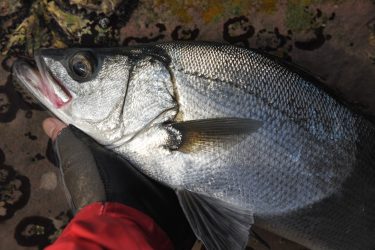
41	85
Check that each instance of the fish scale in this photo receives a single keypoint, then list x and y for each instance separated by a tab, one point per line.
302	166
263	85
293	97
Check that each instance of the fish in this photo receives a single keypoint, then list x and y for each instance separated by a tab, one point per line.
242	137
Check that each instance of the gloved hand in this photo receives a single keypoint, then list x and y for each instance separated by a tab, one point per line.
91	173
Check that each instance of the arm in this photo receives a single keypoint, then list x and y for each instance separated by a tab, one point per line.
117	206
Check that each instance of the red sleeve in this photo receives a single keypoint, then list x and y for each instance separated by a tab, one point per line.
111	225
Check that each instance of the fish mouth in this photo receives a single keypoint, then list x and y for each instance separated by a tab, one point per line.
41	83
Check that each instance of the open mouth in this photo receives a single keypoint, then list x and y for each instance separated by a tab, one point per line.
39	81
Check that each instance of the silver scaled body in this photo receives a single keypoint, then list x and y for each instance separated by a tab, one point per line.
308	173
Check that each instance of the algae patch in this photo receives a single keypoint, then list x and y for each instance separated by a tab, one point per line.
298	16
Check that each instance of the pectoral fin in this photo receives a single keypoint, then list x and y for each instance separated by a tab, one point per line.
217	224
197	134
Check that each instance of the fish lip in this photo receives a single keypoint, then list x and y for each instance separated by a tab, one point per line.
41	83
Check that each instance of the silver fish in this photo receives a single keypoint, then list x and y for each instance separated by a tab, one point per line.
243	138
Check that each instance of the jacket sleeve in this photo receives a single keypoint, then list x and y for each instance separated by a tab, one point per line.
111	225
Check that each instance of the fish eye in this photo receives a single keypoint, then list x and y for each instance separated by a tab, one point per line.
82	66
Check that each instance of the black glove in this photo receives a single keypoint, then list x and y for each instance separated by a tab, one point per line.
91	173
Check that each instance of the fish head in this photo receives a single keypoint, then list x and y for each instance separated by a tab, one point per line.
82	87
